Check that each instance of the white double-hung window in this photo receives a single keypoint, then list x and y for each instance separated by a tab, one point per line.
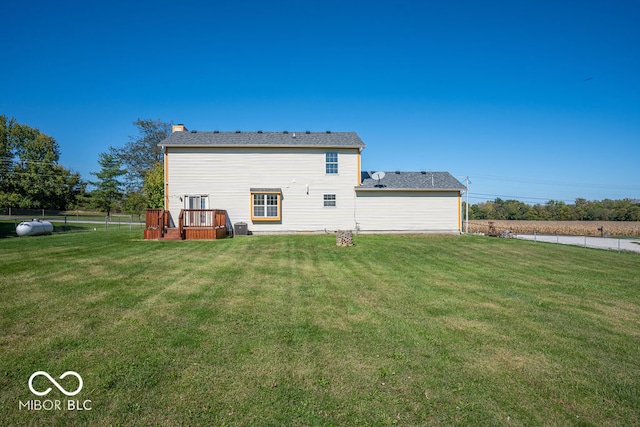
329	200
331	162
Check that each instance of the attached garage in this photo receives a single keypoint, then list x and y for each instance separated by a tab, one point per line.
420	202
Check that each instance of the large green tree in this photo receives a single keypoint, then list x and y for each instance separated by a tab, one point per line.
134	203
109	188
142	152
30	173
154	186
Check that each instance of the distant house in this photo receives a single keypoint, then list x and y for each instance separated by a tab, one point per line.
302	182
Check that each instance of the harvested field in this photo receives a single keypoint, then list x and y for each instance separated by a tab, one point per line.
567	228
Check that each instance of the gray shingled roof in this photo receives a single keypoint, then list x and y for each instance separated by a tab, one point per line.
411	181
264	139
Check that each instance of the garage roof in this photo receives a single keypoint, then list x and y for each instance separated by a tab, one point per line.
434	181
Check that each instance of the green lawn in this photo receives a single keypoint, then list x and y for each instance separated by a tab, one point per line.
292	330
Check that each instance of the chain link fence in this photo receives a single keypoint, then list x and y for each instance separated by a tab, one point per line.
75	215
65	221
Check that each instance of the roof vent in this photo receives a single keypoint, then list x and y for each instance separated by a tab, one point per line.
194	131
259	131
328	131
237	131
423	172
307	132
397	172
216	131
286	131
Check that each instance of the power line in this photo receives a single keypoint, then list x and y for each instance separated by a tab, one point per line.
556	183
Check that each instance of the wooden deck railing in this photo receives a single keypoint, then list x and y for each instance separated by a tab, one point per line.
202	223
181	224
156	223
192	224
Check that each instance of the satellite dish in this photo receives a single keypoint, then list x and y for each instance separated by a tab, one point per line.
377	175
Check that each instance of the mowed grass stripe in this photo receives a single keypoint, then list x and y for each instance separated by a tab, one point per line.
292	330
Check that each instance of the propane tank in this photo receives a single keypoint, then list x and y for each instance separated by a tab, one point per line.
35	227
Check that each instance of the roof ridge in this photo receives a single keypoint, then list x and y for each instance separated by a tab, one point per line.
270	131
264	138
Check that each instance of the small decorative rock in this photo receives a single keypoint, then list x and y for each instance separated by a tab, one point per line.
344	238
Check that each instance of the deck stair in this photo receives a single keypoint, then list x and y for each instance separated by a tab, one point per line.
172	234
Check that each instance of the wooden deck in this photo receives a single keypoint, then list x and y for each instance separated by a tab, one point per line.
193	224
157	221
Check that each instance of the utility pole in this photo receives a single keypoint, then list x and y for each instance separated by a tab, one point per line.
466	220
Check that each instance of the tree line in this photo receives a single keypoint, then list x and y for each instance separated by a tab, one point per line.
130	178
555	210
30	173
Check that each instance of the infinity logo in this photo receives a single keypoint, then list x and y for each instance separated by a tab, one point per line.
58	386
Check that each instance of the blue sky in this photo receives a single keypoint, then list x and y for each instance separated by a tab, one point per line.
533	100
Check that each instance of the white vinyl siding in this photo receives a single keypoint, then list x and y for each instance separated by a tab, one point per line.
227	175
417	211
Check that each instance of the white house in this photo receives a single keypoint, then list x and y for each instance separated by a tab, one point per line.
302	182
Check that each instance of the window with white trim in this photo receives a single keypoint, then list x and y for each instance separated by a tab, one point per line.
265	206
329	200
331	162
